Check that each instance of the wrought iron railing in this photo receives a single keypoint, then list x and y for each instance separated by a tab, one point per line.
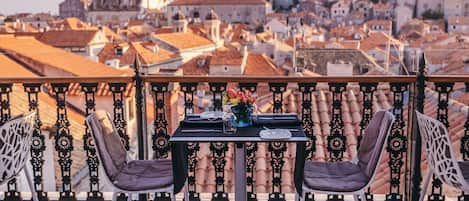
403	149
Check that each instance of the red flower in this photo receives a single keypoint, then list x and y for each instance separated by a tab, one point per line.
231	93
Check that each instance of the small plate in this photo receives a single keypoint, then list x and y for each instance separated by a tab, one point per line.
275	134
212	115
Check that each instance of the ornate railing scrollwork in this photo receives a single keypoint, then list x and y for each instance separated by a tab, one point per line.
336	140
277	149
307	90
251	148
444	89
192	148
218	149
89	90
160	137
465	147
367	90
5	114
38	142
397	142
63	141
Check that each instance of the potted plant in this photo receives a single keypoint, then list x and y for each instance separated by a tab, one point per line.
241	106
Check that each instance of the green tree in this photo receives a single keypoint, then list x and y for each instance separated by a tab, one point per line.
432	15
260	29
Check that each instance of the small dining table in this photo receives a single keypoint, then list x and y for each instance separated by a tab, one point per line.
209	133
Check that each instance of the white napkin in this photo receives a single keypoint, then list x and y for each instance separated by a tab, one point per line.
274	134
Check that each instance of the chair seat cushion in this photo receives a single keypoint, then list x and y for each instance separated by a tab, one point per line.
334	176
142	175
464	165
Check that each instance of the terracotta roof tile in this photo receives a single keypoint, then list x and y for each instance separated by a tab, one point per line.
68	38
184	41
227	56
72	23
11	68
259	64
197	66
70	63
145	50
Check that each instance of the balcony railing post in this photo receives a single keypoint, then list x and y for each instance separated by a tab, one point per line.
444	89
336	140
160	137
117	89
251	148
139	107
63	141
416	145
188	89
5	114
465	147
277	149
38	145
307	90
89	89
219	149
397	141
367	90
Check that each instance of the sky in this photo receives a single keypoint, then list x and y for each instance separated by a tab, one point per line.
15	6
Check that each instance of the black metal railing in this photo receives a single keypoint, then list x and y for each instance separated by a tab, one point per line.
403	148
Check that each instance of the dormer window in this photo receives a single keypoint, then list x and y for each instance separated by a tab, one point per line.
119	51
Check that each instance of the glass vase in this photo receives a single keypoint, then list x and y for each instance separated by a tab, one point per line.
242	115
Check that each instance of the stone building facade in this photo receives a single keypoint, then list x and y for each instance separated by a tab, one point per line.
456	8
249	11
101	11
73	8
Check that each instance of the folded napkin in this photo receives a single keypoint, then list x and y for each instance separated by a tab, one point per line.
276	120
196	121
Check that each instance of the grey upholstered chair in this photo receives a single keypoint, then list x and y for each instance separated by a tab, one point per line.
440	155
346	177
15	143
136	176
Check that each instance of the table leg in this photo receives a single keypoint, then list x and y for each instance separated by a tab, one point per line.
240	172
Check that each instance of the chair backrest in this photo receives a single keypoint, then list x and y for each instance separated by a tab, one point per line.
112	154
438	151
15	143
372	143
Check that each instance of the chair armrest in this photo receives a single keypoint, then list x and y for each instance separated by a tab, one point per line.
354	160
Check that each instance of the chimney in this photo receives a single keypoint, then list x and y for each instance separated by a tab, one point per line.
23	27
244	51
156	49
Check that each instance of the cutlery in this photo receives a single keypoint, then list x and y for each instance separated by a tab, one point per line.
201	131
289	129
277	118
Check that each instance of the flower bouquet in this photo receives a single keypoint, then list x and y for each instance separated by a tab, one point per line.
241	106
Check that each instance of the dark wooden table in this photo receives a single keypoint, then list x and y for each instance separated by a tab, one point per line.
239	137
